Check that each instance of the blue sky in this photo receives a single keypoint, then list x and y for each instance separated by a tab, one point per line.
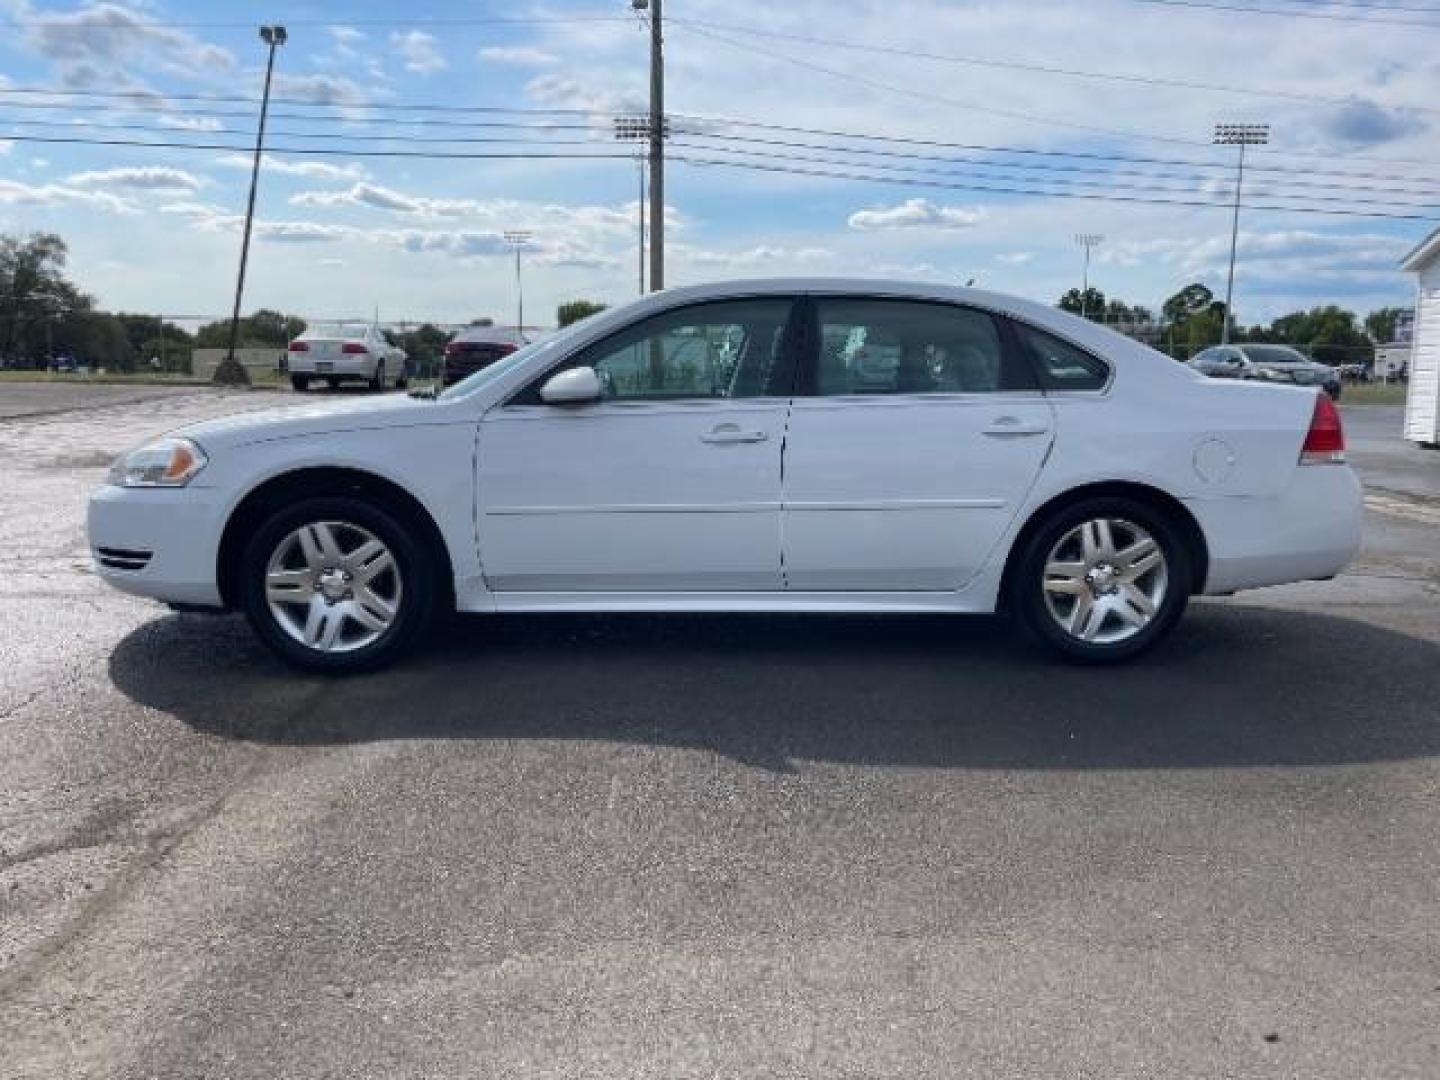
342	235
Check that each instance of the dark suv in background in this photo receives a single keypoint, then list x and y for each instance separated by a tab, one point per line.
1268	363
477	347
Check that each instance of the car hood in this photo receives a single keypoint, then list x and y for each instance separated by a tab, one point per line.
318	418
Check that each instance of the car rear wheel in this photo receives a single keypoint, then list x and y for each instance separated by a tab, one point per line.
1103	580
337	584
300	382
378	382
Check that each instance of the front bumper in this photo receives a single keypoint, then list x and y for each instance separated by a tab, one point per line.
1309	531
159	543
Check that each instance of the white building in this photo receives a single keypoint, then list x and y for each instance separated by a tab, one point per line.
1422	404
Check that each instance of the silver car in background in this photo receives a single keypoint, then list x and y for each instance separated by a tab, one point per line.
339	352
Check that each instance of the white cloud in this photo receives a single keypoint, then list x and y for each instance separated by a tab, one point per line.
345	35
105	42
15	193
189	123
917	214
309	170
563	92
420	51
321	89
141	178
518	55
382	198
1015	258
6	145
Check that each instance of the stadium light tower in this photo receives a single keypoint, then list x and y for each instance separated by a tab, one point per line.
518	238
1087	241
1241	135
230	371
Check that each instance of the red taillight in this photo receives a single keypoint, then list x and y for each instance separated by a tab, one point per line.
299	346
353	348
1325	441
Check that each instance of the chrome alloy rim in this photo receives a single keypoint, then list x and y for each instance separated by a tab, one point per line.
1105	580
333	586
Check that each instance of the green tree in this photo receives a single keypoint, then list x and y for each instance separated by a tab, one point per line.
576	310
262	329
1380	324
35	295
1092	303
423	348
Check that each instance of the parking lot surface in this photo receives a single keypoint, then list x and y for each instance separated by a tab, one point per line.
715	846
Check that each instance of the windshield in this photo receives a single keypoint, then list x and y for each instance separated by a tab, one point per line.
336	330
1275	354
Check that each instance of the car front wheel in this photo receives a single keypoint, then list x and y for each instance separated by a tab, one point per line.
337	585
1103	580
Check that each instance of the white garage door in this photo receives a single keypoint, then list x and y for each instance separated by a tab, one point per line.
1422	409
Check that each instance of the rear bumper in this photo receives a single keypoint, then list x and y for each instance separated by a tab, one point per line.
340	367
1309	531
157	543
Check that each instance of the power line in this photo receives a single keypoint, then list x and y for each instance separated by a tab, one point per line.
23	22
921	95
1065	183
313	151
1030	191
1051	166
1046	69
1215	5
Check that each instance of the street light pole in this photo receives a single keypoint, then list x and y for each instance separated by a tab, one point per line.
230	371
1241	135
637	129
518	238
1087	241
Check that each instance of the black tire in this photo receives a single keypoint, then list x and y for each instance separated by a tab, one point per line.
1028	596
415	567
378	382
332	383
301	383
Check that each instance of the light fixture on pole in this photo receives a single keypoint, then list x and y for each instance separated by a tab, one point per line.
1241	135
636	129
230	371
1087	241
518	238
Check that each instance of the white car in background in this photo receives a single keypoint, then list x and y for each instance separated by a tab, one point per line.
337	352
792	445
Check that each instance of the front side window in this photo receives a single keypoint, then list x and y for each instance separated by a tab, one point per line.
728	349
875	346
1060	365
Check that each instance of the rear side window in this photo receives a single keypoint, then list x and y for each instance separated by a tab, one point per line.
880	346
1060	365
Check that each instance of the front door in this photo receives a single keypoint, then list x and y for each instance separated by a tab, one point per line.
915	436
670	483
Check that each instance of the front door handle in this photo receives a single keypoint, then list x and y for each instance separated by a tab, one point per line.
1013	425
727	434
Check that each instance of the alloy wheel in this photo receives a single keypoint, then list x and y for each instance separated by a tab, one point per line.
1105	581
333	586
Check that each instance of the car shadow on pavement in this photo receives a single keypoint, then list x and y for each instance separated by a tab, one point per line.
1232	686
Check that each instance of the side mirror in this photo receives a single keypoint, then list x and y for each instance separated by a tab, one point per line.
577	386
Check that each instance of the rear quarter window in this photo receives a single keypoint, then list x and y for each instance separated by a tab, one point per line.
1060	365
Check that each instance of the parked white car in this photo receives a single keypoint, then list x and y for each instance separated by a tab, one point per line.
800	445
345	352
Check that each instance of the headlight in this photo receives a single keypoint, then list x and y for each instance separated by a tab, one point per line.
169	462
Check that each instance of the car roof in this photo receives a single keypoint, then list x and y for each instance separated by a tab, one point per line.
503	334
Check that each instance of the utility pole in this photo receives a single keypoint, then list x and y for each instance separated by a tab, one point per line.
657	141
1241	135
1087	241
518	238
230	371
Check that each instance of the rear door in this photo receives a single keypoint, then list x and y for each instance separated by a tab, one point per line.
915	434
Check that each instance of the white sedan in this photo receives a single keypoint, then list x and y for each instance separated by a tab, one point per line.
791	445
337	352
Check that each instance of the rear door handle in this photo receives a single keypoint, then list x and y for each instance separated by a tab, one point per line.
1012	425
727	434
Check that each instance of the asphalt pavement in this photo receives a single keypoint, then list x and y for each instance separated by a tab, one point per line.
715	846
